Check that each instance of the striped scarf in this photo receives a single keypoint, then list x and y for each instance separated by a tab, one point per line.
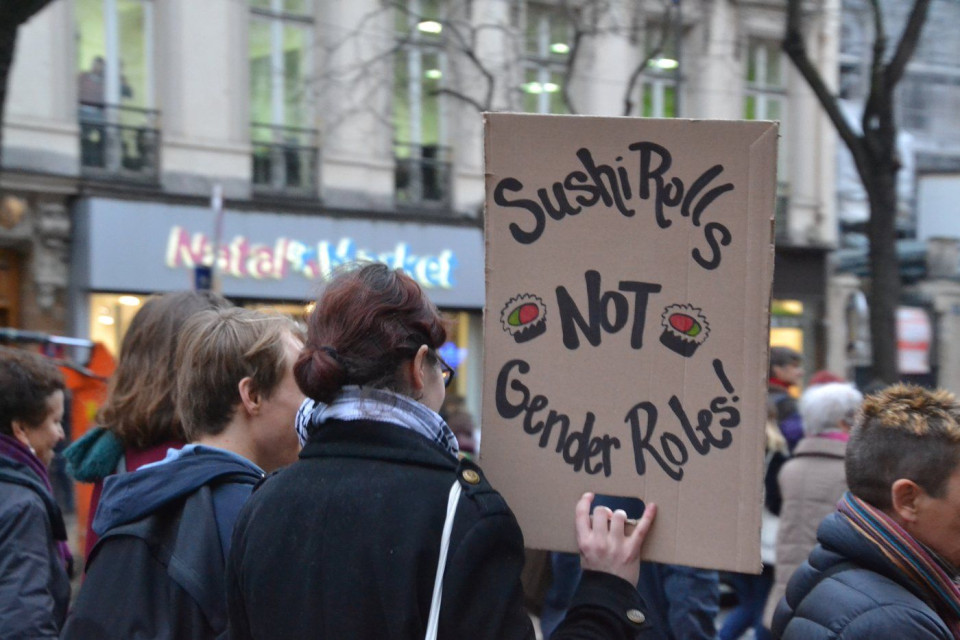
920	565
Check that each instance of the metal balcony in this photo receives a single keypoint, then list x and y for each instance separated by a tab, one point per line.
119	142
285	160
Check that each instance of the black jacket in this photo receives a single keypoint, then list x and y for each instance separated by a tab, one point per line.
158	569
848	589
344	544
34	585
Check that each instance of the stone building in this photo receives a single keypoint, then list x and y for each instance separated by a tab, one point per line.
337	130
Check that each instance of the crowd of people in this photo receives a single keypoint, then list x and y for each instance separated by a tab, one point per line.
253	480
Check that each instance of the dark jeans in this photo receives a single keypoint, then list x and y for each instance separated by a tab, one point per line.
752	592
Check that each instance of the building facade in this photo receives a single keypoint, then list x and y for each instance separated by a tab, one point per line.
333	131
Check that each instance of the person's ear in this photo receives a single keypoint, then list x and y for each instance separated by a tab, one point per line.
250	396
906	497
19	428
418	370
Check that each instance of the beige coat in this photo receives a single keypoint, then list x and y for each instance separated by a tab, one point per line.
811	483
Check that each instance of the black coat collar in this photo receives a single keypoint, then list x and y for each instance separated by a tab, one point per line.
375	440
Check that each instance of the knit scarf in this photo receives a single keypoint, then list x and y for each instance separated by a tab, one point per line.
921	566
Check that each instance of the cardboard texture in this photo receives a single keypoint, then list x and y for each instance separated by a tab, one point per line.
628	272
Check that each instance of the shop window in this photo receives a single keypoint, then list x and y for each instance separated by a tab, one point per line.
547	42
282	132
423	176
110	317
119	126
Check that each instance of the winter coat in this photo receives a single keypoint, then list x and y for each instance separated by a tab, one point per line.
345	542
158	568
848	589
34	585
811	483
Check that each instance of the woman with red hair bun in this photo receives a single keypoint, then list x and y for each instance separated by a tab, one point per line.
379	531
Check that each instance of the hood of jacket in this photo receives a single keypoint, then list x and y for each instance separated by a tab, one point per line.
130	496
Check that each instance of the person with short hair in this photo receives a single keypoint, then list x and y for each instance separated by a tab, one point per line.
158	569
886	562
811	483
786	371
35	563
138	421
346	542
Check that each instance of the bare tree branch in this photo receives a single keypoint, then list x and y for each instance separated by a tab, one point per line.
795	47
652	53
908	42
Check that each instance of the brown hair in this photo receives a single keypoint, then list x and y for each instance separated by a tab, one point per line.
140	405
368	321
906	432
27	381
221	348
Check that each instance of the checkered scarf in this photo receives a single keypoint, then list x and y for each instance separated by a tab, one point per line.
359	403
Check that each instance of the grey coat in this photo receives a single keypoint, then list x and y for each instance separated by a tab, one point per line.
34	586
811	483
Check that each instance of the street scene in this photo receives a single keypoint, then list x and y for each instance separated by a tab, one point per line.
479	319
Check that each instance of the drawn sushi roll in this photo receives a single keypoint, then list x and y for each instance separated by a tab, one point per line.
524	317
684	328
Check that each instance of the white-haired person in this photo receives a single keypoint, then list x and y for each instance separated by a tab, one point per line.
813	480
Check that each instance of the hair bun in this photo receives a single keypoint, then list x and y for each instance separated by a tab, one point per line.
320	373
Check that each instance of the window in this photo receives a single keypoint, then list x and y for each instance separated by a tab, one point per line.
766	88
423	169
547	50
118	123
660	78
766	99
285	141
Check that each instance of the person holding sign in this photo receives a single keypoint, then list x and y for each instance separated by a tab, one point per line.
353	541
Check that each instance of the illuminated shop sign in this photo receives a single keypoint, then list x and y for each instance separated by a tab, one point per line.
240	257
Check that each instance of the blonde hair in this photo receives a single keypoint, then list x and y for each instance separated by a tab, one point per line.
218	350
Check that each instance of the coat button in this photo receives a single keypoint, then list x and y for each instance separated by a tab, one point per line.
636	616
470	476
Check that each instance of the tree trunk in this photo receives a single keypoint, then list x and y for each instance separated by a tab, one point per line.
884	292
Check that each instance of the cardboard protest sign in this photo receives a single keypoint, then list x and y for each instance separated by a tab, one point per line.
629	264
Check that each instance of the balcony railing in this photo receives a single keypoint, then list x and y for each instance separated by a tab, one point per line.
285	160
119	142
424	176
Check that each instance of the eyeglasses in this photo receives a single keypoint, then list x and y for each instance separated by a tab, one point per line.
446	371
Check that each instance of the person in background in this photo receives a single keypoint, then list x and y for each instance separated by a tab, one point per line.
786	371
346	542
752	589
886	562
138	418
35	563
158	568
813	480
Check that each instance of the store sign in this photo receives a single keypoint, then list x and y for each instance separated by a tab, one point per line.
151	247
241	258
914	335
629	265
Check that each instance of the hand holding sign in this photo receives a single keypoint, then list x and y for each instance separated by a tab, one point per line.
604	541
